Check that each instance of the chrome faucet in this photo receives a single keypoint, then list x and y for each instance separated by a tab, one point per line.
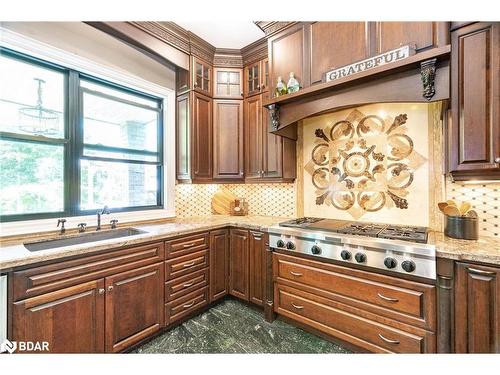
105	210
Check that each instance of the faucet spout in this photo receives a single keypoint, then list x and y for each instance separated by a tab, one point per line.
106	211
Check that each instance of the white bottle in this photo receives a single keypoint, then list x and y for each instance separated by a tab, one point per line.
293	84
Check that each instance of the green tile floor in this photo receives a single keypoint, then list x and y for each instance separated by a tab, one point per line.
233	327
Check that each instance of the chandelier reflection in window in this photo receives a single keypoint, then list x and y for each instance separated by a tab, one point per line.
38	119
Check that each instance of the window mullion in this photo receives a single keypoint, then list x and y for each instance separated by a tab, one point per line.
72	181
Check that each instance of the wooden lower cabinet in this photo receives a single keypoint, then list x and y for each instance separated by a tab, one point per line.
71	320
219	264
256	253
238	264
477	308
134	306
370	311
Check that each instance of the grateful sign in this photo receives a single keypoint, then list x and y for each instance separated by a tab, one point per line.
382	59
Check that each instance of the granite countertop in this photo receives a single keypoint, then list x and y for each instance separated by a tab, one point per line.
14	254
485	249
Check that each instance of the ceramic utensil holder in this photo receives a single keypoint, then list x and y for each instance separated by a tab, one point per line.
462	227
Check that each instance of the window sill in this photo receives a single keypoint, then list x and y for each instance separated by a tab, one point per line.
28	227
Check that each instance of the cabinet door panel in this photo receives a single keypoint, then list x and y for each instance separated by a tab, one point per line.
219	264
474	144
477	309
228	139
253	137
256	267
272	148
182	135
202	138
392	35
228	83
71	320
335	44
288	53
238	264
134	306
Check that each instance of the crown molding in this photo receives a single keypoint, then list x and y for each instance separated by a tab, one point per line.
272	27
167	32
254	51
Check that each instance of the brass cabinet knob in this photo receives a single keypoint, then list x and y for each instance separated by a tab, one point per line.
497	160
110	288
101	291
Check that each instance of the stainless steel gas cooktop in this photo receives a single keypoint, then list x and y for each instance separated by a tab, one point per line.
394	248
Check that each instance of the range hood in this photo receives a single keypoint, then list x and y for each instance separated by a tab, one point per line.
423	77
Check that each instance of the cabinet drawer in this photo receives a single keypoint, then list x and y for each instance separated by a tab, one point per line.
185	264
185	284
399	298
186	245
328	316
38	280
185	305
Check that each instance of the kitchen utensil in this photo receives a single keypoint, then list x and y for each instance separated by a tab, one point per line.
462	227
442	206
464	208
471	213
452	211
221	202
451	202
239	207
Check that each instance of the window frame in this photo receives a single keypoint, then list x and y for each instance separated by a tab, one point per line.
73	142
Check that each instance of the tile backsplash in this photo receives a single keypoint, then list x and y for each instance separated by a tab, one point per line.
484	198
263	199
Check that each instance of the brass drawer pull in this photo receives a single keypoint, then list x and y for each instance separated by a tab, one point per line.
189	244
297	306
295	273
187	285
190	264
395	342
188	305
480	272
387	298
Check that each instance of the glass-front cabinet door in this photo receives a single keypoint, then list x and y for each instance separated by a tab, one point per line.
264	83
252	78
202	76
228	83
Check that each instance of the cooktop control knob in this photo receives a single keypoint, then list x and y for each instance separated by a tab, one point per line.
360	257
390	262
280	243
290	245
408	265
316	250
346	255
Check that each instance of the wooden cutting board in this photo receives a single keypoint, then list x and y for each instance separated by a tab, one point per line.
221	202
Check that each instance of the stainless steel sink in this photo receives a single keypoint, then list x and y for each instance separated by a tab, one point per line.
82	238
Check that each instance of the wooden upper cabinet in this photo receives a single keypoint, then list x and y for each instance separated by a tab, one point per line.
71	320
238	264
202	76
336	44
474	130
228	83
201	139
183	169
477	309
253	78
134	306
289	52
264	75
219	264
253	137
228	139
391	35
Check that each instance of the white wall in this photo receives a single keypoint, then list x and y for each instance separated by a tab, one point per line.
86	41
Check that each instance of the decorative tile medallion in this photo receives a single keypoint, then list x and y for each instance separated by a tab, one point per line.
363	163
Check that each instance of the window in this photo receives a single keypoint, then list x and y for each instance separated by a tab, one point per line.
70	143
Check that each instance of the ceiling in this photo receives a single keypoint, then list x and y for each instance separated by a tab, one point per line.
227	34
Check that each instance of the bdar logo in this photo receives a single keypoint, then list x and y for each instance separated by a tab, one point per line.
8	346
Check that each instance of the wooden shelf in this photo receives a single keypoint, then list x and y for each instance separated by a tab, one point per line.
440	53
